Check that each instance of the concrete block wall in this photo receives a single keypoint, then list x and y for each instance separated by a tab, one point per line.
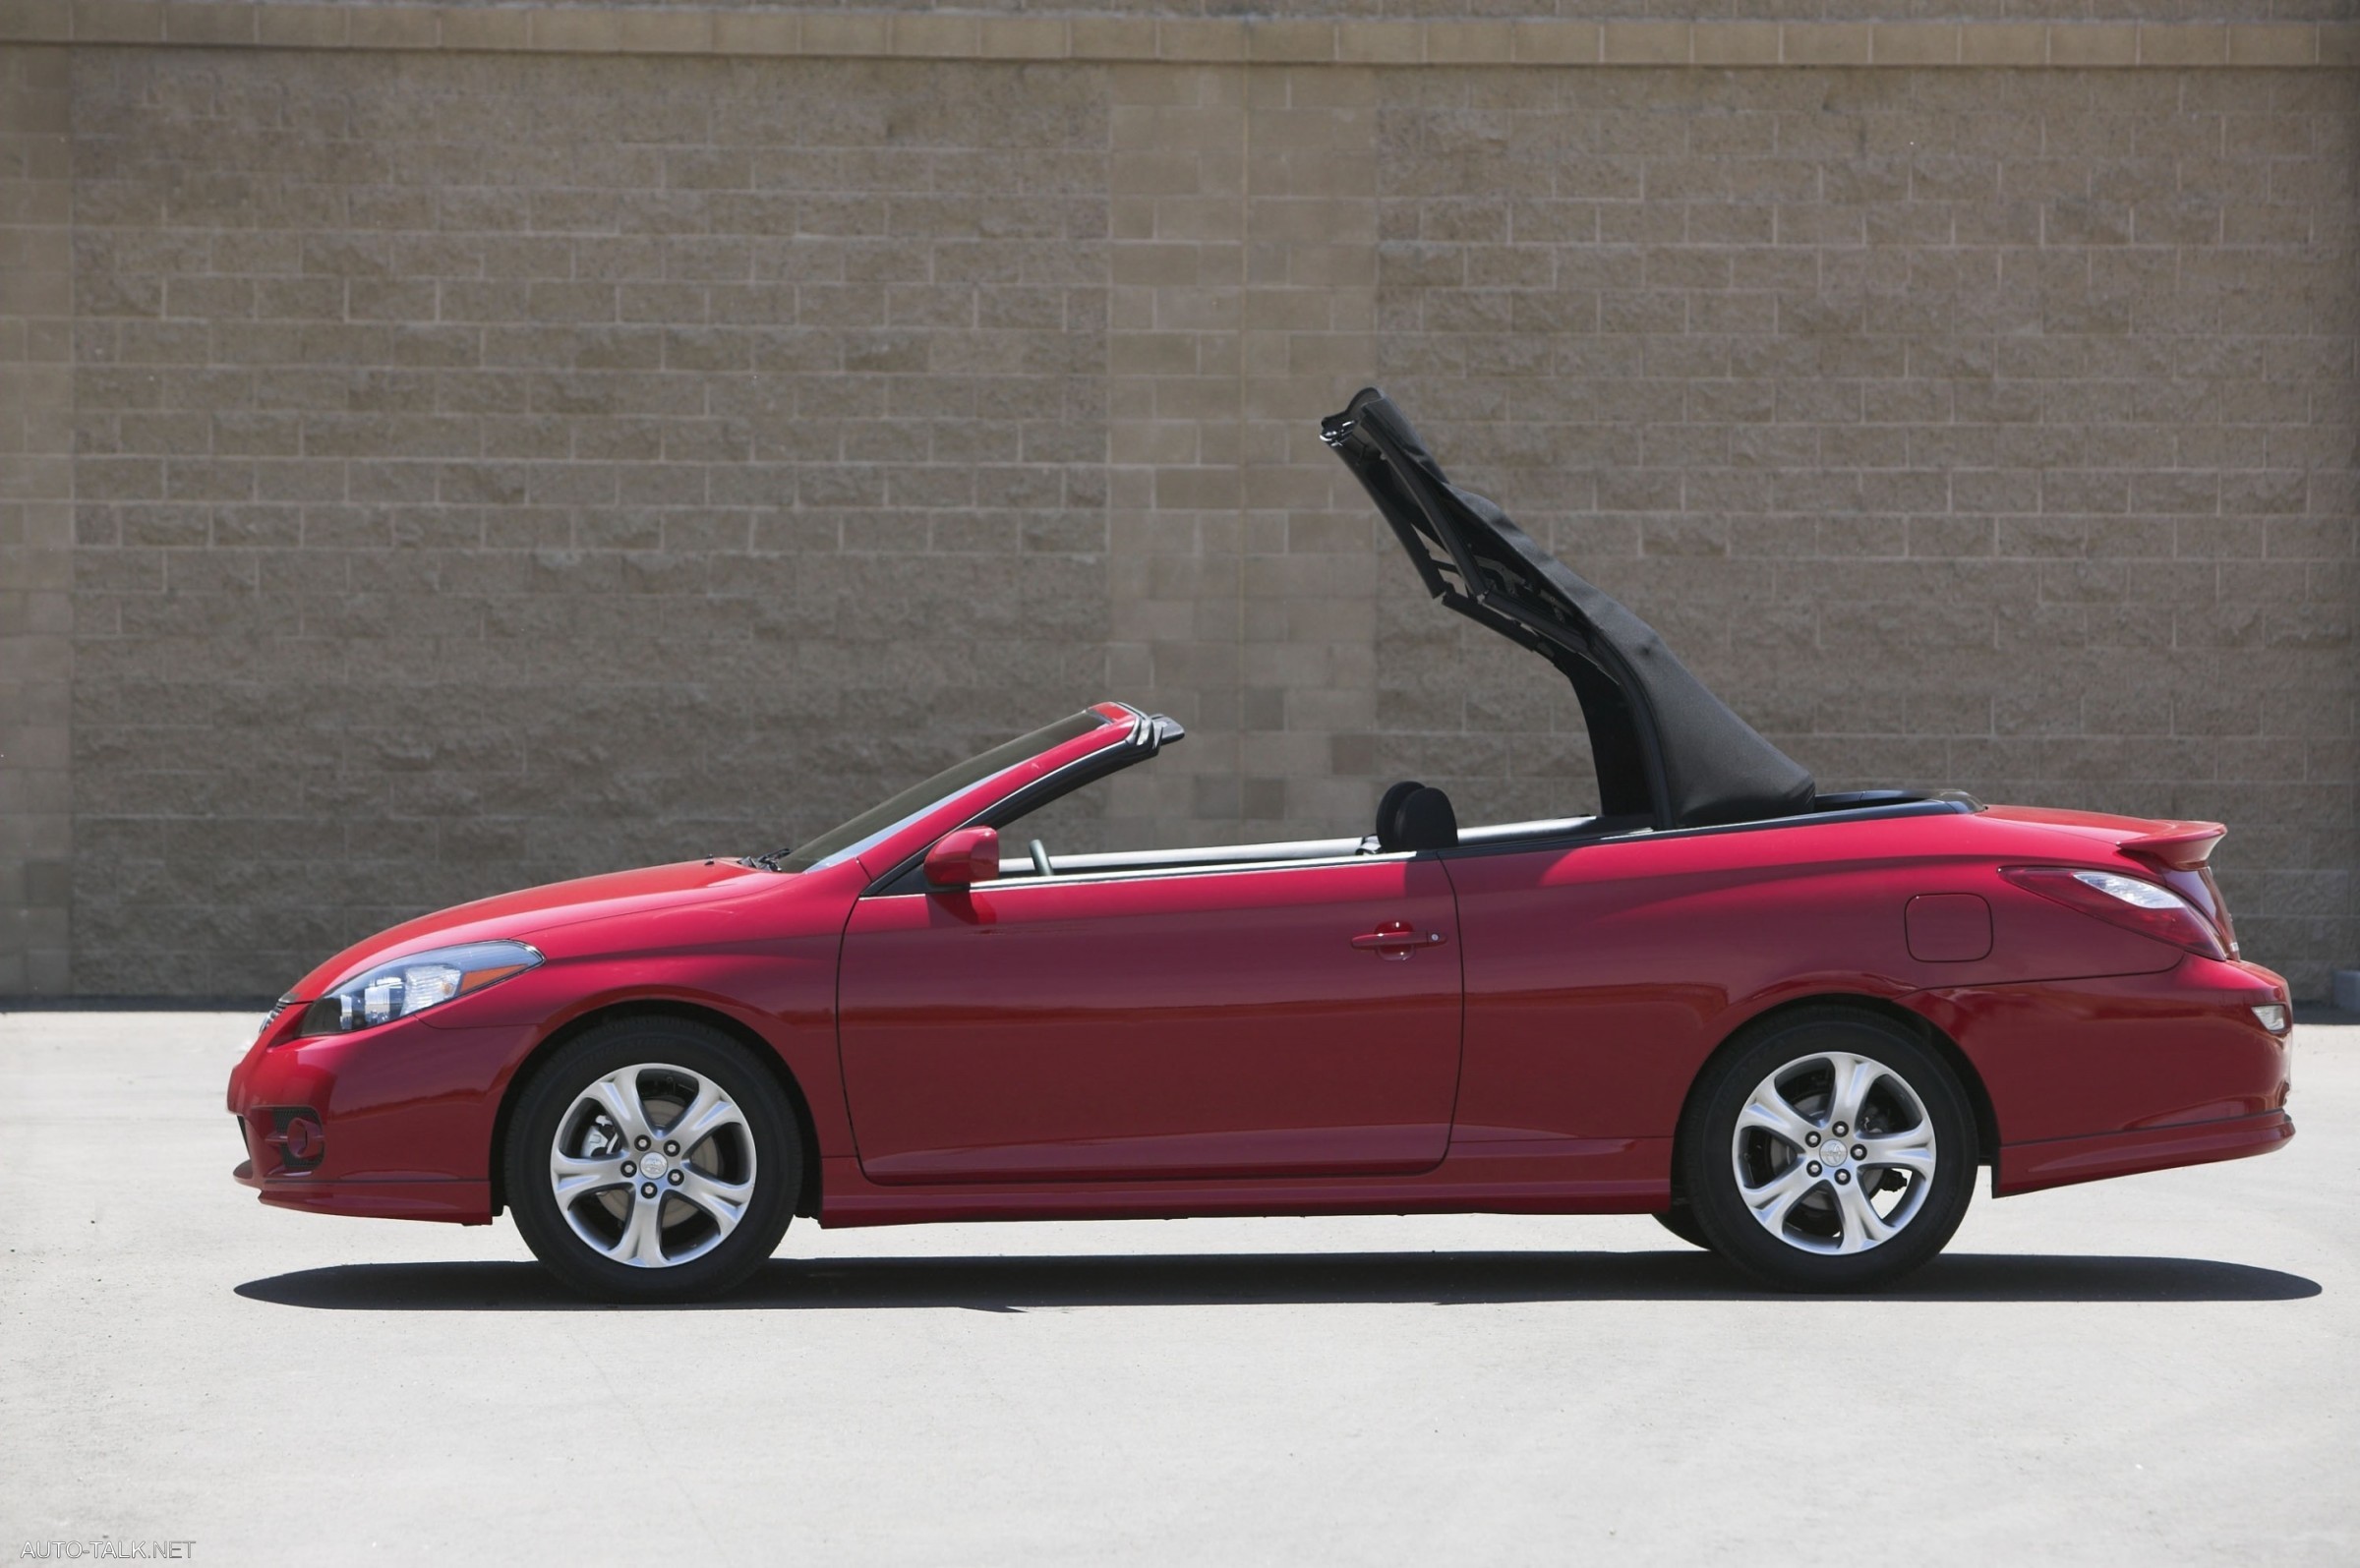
501	450
1985	429
37	522
495	470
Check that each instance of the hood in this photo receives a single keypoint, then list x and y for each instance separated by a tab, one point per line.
1667	749
526	913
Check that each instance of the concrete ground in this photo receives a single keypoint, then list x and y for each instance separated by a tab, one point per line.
2164	1370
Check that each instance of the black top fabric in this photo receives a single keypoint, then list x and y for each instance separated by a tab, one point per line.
1667	749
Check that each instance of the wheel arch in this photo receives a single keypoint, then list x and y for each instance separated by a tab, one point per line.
806	1202
1978	1097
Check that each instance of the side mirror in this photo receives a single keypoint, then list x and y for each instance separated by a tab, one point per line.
964	858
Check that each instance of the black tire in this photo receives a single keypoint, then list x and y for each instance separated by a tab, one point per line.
763	1149
1681	1221
1806	1255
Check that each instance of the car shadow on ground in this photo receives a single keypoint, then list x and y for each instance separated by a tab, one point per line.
1261	1279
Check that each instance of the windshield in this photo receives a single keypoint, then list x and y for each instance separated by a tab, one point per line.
879	821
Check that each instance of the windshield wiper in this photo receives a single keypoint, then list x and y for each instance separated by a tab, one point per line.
768	862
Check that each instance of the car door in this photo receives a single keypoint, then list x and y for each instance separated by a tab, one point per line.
1221	1022
1602	974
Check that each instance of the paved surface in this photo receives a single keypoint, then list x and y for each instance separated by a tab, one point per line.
2161	1369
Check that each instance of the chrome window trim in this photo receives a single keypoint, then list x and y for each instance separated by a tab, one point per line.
1207	854
1084	879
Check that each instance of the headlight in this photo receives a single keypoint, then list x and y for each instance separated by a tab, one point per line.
404	986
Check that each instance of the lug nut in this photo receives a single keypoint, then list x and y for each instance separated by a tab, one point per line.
1859	1153
643	1142
674	1178
1840	1130
1812	1139
1814	1167
628	1168
671	1147
647	1189
1843	1177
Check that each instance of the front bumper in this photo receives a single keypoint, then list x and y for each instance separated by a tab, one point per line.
406	1108
459	1202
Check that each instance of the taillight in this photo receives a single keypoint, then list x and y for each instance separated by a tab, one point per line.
2215	905
2132	902
2181	853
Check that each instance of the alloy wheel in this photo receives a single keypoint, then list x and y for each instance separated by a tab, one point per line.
653	1165
1834	1152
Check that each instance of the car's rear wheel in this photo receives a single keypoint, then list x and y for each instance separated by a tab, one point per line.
1834	1151
651	1160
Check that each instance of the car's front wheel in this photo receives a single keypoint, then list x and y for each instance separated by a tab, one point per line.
651	1160
1834	1151
1681	1221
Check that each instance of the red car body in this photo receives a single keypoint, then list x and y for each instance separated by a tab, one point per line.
1211	1040
1509	1018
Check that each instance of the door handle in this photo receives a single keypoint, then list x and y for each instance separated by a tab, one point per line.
1396	940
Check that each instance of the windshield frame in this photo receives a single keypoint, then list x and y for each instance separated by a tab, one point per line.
881	823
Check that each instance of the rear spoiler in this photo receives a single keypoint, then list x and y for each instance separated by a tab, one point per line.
2176	845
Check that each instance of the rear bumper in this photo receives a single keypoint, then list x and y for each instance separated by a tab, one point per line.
2059	1162
2103	1076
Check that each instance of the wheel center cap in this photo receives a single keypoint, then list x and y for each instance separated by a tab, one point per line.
651	1164
1831	1151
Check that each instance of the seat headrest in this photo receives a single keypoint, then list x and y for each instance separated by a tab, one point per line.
1424	821
1389	809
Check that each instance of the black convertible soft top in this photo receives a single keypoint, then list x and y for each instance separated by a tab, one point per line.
1667	749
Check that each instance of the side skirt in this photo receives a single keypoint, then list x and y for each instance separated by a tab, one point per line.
1555	1176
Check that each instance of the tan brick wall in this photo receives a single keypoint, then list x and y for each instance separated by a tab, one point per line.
2179	34
1282	12
1982	429
1244	265
498	470
37	521
492	468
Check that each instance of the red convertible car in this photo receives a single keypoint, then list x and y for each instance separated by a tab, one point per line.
1790	1024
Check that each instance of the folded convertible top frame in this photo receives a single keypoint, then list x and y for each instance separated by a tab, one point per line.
1665	747
1535	624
